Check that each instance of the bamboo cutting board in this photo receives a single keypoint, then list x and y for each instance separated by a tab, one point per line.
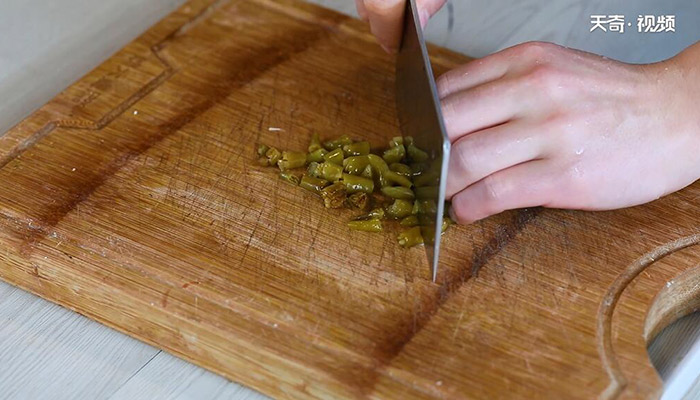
133	198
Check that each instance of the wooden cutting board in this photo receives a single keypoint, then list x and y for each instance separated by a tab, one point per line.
134	198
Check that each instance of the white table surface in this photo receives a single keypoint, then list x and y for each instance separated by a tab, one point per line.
49	352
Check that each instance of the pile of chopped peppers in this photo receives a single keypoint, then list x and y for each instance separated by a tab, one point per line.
396	185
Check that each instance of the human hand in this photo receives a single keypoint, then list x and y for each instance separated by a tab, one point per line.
542	125
385	18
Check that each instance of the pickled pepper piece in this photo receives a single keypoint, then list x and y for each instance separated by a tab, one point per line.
398	192
330	172
355	165
446	222
262	149
410	237
401	169
394	154
315	143
360	201
409	221
272	156
393	177
334	195
289	177
367	225
335	157
376	213
314	169
396	141
416	154
399	209
291	160
356	149
337	143
418	168
427	192
313	184
354	184
379	169
317	155
416	208
367	172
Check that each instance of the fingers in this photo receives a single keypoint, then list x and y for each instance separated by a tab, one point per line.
525	185
480	154
361	10
386	18
511	61
469	75
482	107
385	21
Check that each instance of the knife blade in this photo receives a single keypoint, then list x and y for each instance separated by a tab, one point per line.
418	108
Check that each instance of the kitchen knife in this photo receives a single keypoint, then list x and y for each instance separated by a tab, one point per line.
419	114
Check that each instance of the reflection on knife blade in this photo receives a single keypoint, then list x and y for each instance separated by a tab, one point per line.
419	117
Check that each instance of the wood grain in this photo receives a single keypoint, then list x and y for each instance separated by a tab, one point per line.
136	201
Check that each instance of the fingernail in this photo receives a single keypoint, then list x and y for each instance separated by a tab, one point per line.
423	16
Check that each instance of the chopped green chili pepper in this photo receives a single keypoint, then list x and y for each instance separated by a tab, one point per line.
354	184
401	169
394	154
367	172
335	157
416	154
313	184
289	177
334	195
393	177
398	192
417	169
409	221
446	222
379	169
416	207
317	155
345	173
291	160
399	209
314	169
410	237
315	143
337	143
426	192
355	165
427	207
330	172
396	141
429	178
356	149
272	156
359	200
367	225
377	213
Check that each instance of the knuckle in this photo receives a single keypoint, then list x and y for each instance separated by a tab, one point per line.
544	78
443	83
467	157
534	50
494	192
